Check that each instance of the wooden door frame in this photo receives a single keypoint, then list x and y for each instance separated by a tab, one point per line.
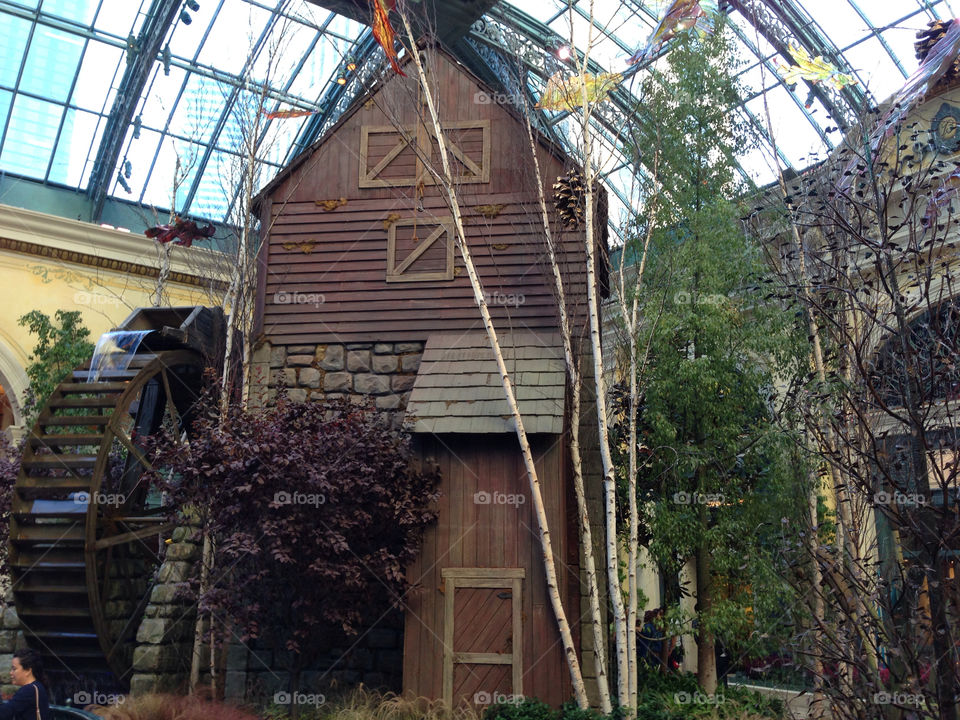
495	578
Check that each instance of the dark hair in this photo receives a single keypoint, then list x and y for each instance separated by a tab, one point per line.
31	660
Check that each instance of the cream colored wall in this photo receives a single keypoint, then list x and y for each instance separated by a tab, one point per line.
104	296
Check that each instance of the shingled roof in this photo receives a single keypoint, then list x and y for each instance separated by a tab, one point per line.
458	387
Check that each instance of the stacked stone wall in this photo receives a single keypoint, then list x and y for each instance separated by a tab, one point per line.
381	372
162	658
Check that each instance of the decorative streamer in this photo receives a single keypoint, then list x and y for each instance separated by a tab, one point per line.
681	16
563	93
286	114
383	31
813	70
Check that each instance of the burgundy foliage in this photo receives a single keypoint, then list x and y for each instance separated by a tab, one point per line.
316	510
10	454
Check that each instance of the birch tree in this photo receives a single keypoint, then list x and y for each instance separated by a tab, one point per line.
445	179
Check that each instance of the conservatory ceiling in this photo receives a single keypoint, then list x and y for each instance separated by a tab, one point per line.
148	101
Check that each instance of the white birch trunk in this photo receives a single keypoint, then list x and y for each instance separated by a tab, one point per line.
609	478
553	590
575	382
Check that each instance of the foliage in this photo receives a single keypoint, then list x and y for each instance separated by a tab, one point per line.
674	696
171	707
315	509
10	456
61	346
661	697
716	482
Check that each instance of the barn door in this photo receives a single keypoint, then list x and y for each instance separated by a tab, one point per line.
482	635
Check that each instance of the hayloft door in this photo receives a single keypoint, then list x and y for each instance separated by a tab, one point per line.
482	635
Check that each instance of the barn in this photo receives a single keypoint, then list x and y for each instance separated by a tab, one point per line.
362	293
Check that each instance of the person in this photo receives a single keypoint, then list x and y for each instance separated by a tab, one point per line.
30	702
650	640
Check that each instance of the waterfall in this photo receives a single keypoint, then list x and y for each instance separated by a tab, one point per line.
114	351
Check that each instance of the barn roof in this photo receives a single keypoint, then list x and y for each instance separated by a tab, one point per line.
458	387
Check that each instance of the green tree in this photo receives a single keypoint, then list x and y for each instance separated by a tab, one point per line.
718	479
62	345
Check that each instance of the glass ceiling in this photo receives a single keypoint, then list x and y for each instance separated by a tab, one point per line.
94	97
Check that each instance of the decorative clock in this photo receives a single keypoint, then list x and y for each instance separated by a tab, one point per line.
946	129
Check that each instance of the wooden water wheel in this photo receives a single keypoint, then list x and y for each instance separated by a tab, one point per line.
87	528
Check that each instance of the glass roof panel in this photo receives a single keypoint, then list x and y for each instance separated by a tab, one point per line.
31	133
140	153
76	137
222	173
99	74
121	17
228	44
80	11
199	108
162	94
51	63
15	33
174	171
5	97
321	58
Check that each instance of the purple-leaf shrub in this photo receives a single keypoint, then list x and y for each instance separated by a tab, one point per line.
316	509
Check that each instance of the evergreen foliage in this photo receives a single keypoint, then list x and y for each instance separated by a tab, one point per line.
716	482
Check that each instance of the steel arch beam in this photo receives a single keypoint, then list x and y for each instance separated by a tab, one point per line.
780	21
155	28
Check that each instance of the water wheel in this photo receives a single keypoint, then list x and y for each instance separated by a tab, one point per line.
87	528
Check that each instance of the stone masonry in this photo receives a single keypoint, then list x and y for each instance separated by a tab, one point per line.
383	372
162	658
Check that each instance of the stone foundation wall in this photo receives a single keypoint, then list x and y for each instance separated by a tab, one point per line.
383	372
11	640
162	658
373	658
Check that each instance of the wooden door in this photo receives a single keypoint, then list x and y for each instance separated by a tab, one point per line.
482	635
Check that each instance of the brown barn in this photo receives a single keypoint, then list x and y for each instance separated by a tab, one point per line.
362	292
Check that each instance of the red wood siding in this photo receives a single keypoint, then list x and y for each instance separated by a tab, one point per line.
470	535
340	256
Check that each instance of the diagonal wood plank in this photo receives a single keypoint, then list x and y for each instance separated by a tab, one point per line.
425	245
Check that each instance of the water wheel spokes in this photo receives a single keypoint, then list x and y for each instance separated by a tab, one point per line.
87	526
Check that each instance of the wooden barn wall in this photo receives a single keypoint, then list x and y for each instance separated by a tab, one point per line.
324	268
469	535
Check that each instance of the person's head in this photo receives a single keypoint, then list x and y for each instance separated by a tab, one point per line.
27	667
